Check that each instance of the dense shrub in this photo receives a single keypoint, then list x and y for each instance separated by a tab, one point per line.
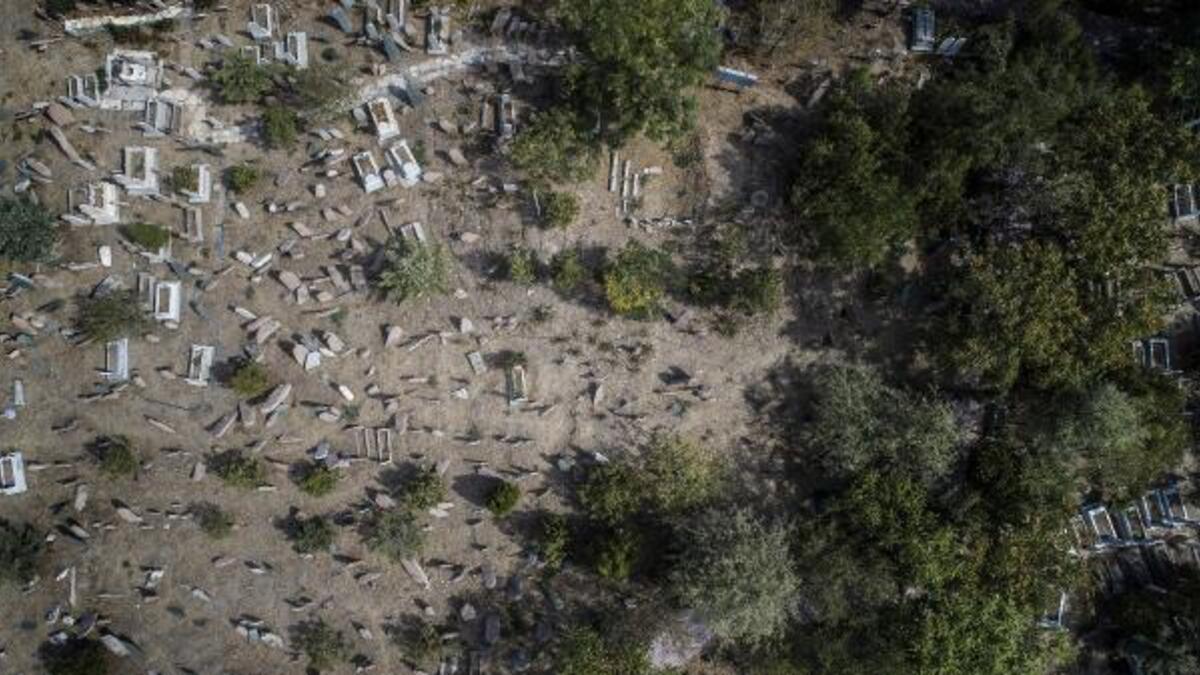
250	379
554	539
111	316
280	127
425	490
617	554
241	178
20	552
27	231
239	79
76	656
116	456
310	535
317	480
636	280
503	498
413	270
559	209
555	148
395	534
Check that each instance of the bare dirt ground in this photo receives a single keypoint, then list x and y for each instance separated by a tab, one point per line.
579	347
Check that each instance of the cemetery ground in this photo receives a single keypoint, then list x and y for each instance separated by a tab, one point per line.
173	595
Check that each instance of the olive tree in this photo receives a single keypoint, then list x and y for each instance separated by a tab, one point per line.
637	59
736	572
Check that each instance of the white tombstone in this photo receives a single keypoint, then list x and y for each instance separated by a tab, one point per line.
202	192
200	365
262	21
367	171
403	164
168	300
116	360
193	225
293	50
383	118
98	202
139	174
12	474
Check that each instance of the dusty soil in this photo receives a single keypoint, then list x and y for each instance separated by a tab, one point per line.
577	348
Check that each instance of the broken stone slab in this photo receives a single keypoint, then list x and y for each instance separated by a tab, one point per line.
414	570
222	425
82	491
114	644
199	471
334	343
160	425
392	336
246	414
290	280
276	398
59	115
127	515
457	158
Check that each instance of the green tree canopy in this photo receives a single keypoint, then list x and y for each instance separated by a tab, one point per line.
637	59
556	148
858	422
240	80
849	196
736	572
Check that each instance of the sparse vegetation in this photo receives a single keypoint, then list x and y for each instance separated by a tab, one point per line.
419	640
116	456
324	646
413	270
585	651
522	266
238	469
27	231
213	521
184	178
568	271
503	498
147	235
